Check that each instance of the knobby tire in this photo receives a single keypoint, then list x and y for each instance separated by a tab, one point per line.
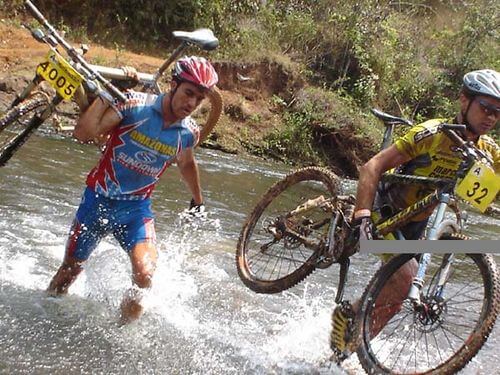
215	99
488	307
13	126
301	269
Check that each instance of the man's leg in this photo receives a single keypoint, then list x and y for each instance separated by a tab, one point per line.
391	297
143	257
65	276
136	234
390	300
84	236
79	246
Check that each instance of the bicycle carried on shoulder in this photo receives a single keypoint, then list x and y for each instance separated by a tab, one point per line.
303	222
73	78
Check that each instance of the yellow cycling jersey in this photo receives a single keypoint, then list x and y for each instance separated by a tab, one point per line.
432	154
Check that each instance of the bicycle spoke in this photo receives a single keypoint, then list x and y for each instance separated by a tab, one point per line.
402	340
451	332
450	344
280	261
420	337
280	255
271	259
386	337
462	302
437	347
427	350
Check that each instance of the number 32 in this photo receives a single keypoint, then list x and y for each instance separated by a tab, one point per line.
483	191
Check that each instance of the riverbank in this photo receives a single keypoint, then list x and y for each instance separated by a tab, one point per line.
298	79
261	102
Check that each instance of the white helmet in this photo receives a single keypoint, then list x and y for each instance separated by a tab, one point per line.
483	82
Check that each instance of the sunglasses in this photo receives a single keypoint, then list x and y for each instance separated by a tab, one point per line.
489	109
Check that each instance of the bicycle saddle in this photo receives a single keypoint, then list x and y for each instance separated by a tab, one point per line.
390	119
204	38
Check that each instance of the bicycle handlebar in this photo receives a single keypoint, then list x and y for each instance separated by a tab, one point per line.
88	71
450	131
469	151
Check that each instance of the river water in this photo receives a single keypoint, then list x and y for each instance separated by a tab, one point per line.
200	318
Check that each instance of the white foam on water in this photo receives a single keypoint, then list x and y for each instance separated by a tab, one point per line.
302	332
297	332
199	319
173	289
21	270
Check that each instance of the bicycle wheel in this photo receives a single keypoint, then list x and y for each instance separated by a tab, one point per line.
14	125
269	257
443	335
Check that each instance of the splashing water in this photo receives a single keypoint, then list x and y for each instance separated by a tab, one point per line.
199	319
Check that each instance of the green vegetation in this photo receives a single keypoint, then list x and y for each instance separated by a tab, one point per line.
320	126
406	57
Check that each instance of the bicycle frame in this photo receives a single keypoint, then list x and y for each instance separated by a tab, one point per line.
441	198
417	283
441	195
203	38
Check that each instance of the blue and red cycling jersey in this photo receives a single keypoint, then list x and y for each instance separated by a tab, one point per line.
140	149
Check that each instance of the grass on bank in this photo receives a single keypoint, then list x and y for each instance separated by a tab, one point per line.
406	58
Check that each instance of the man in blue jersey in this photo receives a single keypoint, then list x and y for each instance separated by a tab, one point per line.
144	136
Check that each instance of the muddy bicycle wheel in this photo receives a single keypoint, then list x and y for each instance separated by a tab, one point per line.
215	99
441	336
15	126
269	257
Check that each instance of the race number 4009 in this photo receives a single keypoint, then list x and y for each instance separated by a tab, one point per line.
479	187
60	74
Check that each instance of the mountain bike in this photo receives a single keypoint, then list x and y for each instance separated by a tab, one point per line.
303	222
73	78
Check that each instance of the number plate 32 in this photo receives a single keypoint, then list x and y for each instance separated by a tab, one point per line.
60	74
479	187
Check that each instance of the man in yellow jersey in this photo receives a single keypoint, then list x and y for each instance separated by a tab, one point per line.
423	151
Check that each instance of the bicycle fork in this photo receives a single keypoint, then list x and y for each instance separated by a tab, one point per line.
418	280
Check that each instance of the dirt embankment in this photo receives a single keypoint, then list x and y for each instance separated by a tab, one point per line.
249	92
246	88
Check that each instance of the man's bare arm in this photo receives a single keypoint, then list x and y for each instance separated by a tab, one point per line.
189	172
369	176
98	120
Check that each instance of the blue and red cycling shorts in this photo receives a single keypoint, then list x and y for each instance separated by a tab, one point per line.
130	222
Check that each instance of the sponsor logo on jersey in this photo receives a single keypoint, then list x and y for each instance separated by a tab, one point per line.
137	165
443	172
146	157
446	159
424	134
153	144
